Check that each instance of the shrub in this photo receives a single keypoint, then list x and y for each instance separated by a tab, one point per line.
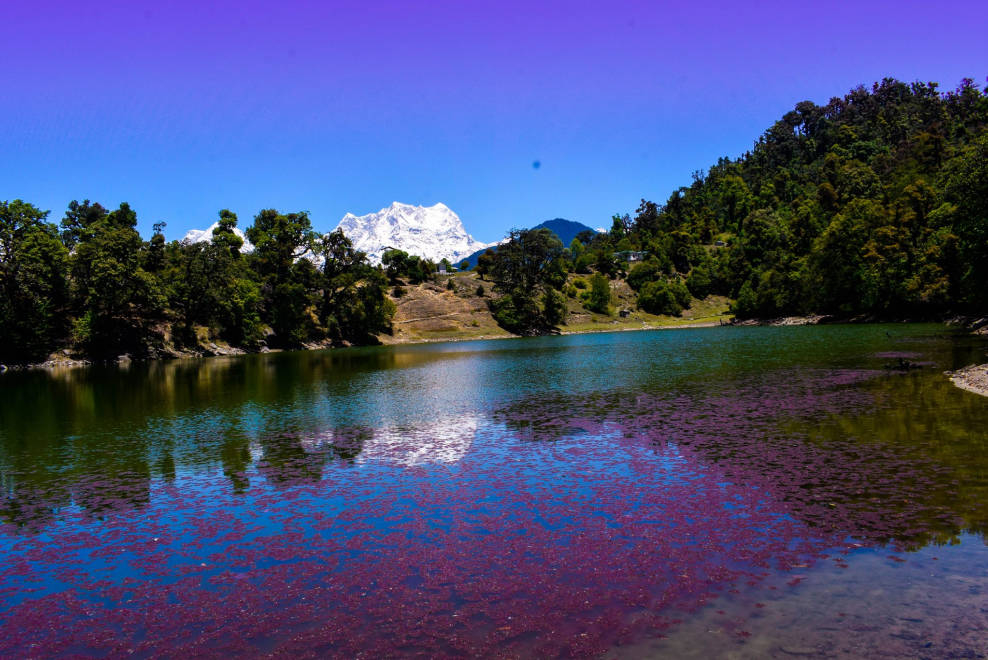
84	328
659	298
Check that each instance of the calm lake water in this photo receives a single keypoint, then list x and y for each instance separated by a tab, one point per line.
726	492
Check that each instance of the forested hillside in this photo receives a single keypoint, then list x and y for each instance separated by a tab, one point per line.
875	203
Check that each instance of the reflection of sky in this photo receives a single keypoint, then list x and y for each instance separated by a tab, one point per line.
444	441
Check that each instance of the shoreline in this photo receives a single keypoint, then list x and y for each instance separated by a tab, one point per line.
978	381
73	363
973	378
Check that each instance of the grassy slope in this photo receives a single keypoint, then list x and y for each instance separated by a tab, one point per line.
431	312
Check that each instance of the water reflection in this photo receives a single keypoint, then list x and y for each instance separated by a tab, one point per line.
540	497
445	441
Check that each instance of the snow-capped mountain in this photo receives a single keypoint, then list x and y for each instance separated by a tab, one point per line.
433	232
203	236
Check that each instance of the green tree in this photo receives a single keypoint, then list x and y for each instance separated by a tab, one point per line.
698	282
79	220
224	236
280	241
837	264
238	312
600	295
554	307
396	264
967	189
747	302
659	298
524	269
354	305
643	273
33	283
484	263
115	296
197	282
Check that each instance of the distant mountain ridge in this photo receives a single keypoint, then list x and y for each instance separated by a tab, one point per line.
566	230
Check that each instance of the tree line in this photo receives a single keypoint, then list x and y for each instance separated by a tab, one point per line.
94	281
874	203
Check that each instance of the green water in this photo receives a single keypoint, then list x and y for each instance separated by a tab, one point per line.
88	449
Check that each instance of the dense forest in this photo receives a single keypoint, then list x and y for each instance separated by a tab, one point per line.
874	204
94	283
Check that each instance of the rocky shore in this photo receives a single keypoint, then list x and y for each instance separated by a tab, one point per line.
978	326
973	378
67	358
787	320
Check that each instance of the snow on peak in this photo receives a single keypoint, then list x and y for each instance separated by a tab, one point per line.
204	236
432	232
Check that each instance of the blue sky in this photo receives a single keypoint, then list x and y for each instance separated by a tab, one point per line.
184	108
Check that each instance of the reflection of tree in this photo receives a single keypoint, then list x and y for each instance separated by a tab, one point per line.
60	428
166	466
34	504
842	451
121	492
286	463
235	456
31	507
293	458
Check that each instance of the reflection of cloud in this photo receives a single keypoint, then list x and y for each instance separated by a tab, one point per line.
445	441
256	451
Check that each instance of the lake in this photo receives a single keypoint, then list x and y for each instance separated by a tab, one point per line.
722	492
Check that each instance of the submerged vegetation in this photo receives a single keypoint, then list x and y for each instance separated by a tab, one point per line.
875	203
584	495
